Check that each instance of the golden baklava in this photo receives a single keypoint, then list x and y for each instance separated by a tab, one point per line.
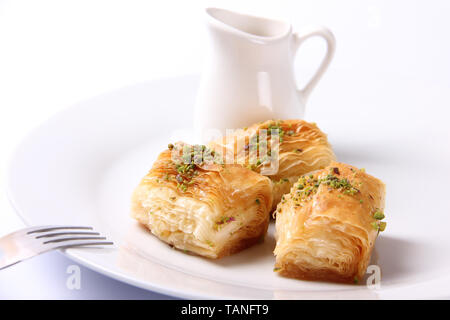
283	150
196	203
327	225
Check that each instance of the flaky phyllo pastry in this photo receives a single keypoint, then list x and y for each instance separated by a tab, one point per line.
327	225
194	202
283	150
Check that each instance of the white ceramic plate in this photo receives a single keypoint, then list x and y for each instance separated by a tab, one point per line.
82	165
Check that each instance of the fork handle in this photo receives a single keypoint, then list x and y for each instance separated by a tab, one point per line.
18	254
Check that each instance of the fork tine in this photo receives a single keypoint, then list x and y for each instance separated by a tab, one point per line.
52	228
80	243
50	235
70	238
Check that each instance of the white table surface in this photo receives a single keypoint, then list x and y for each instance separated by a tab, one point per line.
56	53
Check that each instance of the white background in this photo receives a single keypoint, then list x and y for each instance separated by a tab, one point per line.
56	53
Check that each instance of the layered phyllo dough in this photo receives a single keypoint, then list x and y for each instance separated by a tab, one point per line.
196	203
327	225
283	150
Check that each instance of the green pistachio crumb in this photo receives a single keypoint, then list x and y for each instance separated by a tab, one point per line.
209	243
379	215
182	186
379	225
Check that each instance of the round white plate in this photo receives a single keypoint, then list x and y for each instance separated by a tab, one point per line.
81	166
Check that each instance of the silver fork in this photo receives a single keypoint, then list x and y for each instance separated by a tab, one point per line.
30	242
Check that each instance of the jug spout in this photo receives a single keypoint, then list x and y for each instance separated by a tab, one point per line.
240	40
247	26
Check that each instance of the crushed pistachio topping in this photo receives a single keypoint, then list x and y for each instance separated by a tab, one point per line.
276	269
355	280
276	127
223	221
191	159
378	224
308	186
209	243
281	181
343	185
258	202
379	215
257	143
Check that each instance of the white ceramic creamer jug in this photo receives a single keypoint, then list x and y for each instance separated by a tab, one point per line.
249	73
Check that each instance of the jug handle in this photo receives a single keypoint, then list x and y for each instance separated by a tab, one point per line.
299	38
